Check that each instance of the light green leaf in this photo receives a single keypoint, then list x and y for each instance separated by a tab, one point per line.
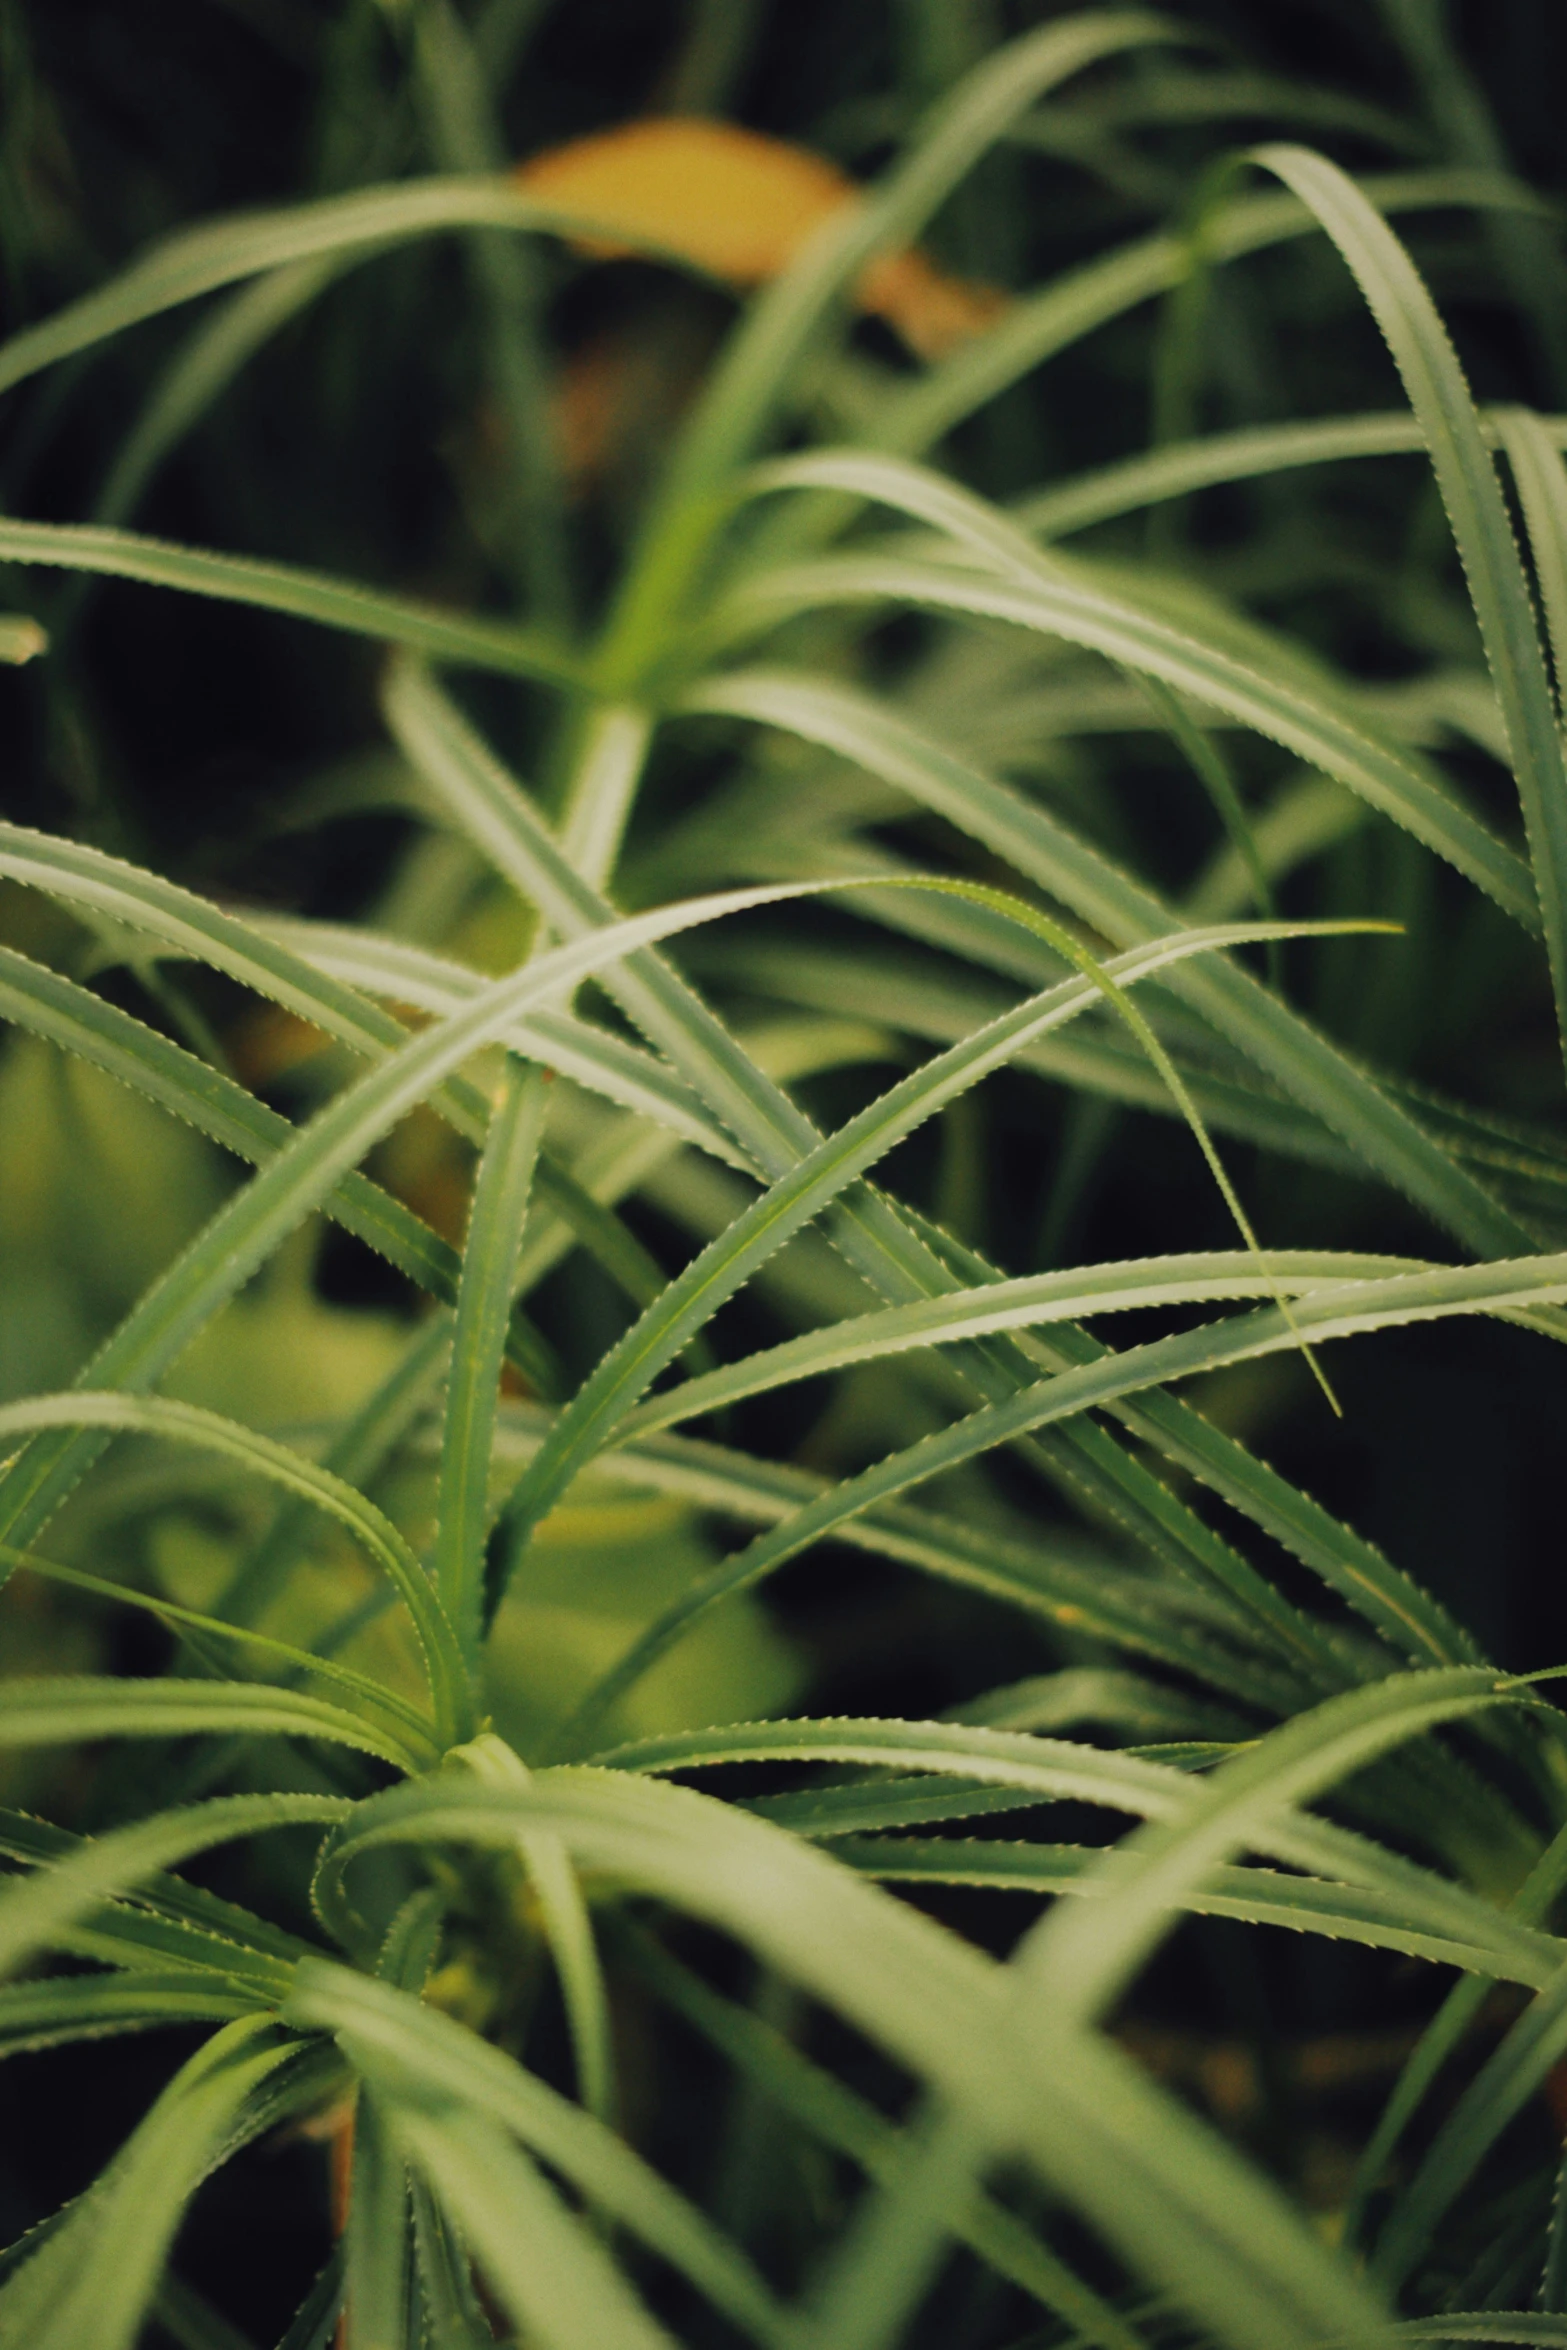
1179	2204
284	587
222	252
832	2113
556	2280
378	2251
89	2285
259	1217
1078	613
1255	1896
1394	1606
1482	531
370	1527
1381	1131
88	2007
1029	1302
37	1912
416	1735
79	1707
432	2055
814	1181
568	1929
494	1238
1084	1954
742	395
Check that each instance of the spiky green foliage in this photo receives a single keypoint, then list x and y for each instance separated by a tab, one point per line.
449	1610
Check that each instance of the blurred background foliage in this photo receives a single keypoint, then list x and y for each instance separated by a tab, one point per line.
243	754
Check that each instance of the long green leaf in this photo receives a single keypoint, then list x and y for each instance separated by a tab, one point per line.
606	1064
1466	476
430	2052
833	2113
80	1707
500	1201
743	393
1254	1896
1177	2202
212	1628
222	252
557	2281
191	1424
1083	1955
1381	1131
1174	471
1535	458
568	1929
793	1201
1180	658
1401	1612
1028	1302
34	1913
379	2242
284	587
41	1000
898	1262
1073	305
251	1224
88	2007
89	2285
1055	1771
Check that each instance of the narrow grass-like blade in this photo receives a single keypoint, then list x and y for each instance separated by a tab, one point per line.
832	2113
568	1929
213	1630
1253	1896
210	1431
378	2248
1029	1301
1180	658
1042	324
1534	454
558	2283
42	1907
1306	1064
50	1005
222	252
1154	475
1466	476
740	399
81	1707
793	1201
89	2286
500	1201
1083	1955
897	1261
88	2007
436	2057
606	1064
1395	1607
1056	1770
252	1223
1146	2174
283	587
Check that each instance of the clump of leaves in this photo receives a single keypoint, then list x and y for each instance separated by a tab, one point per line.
461	1639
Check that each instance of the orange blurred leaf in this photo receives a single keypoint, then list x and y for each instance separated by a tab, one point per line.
741	206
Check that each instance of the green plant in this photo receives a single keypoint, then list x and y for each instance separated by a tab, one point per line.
472	1744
